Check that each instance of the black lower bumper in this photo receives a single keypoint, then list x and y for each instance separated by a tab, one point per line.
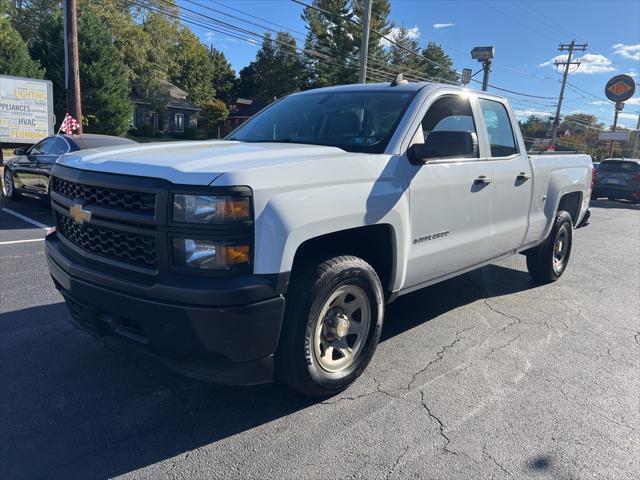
224	344
616	193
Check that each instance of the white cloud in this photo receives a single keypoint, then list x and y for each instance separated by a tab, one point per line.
524	114
632	52
632	73
438	26
589	63
633	101
628	116
600	102
412	33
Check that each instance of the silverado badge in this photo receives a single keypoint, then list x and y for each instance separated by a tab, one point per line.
78	214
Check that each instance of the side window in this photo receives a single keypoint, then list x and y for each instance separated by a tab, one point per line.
57	146
499	128
447	130
40	147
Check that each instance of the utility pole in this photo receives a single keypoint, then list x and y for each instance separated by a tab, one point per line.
619	107
572	47
72	63
364	46
635	142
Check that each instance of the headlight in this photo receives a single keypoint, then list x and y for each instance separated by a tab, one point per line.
207	254
210	209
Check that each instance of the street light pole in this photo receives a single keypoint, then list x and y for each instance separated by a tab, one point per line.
72	65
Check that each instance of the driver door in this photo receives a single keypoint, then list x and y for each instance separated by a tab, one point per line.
450	202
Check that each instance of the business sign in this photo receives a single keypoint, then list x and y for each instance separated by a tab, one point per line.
620	88
620	136
26	110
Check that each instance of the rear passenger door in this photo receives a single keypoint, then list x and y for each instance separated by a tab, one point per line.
512	178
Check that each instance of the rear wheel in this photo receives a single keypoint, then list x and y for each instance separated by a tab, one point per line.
333	319
548	262
8	186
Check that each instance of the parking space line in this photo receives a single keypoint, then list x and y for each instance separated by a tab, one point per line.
26	219
22	241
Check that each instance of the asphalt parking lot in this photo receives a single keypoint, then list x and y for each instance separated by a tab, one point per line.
483	376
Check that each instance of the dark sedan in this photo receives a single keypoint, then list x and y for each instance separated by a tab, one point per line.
618	178
28	171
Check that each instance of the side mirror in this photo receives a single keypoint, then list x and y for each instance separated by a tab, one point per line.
445	144
20	151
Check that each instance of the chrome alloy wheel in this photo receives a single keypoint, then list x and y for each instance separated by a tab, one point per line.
8	183
342	328
560	249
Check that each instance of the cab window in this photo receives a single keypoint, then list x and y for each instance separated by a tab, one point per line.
447	130
499	129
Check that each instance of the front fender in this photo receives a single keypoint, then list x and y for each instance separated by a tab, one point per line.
288	219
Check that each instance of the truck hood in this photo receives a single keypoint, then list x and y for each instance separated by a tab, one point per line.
193	163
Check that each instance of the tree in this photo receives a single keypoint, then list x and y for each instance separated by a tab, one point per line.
103	77
224	78
334	39
14	56
400	57
213	112
277	70
437	65
194	72
28	15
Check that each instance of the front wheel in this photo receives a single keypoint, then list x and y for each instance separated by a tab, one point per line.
548	262
9	187
333	319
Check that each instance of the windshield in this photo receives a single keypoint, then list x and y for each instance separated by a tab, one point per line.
354	121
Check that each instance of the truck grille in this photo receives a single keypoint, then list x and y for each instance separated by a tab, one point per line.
124	200
123	246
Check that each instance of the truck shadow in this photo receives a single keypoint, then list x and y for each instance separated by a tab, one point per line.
75	407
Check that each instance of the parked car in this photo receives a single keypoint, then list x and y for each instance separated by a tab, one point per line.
618	178
275	251
28	172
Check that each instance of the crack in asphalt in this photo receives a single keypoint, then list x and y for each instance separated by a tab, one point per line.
396	464
496	463
636	337
438	357
441	427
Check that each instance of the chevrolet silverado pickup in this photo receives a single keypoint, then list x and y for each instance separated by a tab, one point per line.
271	254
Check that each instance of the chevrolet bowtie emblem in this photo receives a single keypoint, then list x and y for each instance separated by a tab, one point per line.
78	214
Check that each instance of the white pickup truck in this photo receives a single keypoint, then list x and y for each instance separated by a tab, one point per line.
272	253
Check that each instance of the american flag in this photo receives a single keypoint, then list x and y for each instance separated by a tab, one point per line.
69	124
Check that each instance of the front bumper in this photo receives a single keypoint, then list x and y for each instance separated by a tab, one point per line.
231	342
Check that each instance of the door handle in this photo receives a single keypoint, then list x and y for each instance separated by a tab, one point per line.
483	179
523	176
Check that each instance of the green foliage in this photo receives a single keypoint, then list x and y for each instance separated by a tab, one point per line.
213	112
277	70
194	72
27	16
401	59
103	77
224	78
439	65
14	56
336	41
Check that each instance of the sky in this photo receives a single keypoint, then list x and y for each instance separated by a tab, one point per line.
525	34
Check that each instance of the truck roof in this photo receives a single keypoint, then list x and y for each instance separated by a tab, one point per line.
406	87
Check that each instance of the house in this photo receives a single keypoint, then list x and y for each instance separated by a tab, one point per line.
178	113
241	110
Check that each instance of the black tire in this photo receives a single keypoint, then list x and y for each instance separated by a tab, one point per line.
9	186
296	363
545	263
